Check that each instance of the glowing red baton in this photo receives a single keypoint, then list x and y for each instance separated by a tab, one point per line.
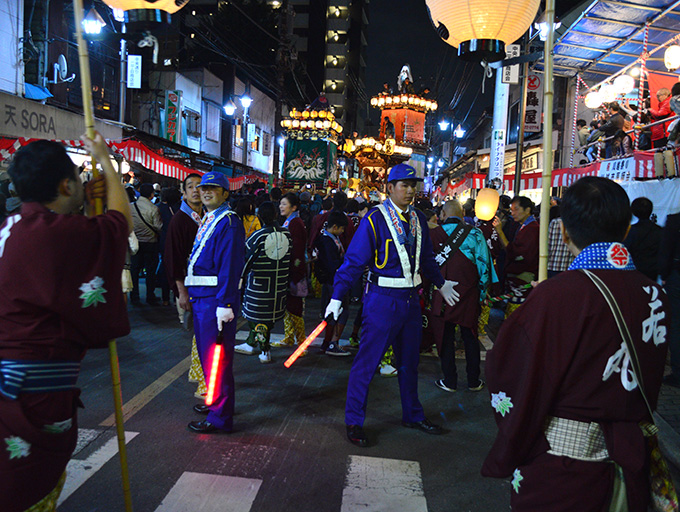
303	346
214	369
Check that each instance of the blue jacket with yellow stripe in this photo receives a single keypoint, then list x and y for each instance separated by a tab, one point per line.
372	246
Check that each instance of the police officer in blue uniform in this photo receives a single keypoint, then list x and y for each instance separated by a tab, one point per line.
213	275
393	241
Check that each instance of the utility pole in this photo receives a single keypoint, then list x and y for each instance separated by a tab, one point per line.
286	14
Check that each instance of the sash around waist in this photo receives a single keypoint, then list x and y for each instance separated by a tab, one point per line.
25	376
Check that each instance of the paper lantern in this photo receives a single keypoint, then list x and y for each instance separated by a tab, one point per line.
593	99
672	57
486	204
140	14
608	93
480	29
624	84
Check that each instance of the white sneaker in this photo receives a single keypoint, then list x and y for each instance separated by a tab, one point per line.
265	357
388	371
246	349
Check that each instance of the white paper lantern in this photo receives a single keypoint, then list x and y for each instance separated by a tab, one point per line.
481	28
593	99
624	84
608	93
486	204
672	57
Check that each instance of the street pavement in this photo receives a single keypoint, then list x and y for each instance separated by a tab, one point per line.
288	451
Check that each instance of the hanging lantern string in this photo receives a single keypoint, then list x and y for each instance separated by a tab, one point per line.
574	127
488	73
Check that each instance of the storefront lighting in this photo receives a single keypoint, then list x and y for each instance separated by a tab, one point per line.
486	204
480	29
593	99
671	57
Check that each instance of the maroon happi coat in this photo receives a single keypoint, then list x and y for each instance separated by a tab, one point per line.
48	263
549	360
522	258
178	244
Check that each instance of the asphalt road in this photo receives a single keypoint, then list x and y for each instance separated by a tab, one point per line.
288	451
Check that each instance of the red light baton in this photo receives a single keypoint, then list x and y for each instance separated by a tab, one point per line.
214	369
303	346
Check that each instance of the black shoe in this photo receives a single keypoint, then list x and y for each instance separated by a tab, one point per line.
357	436
478	387
425	425
440	384
204	427
335	350
202	408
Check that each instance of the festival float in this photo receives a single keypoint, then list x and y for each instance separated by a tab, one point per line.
401	138
311	146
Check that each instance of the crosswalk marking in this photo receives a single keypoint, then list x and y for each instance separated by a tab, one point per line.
78	471
199	492
375	484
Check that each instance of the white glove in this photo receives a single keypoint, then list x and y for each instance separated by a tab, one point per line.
224	315
451	296
334	308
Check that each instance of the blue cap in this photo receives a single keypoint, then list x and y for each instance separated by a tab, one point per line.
215	179
403	172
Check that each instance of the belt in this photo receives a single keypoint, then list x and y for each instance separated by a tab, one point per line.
200	281
394	282
18	376
576	439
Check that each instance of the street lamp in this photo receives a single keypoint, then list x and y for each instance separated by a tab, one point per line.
443	125
246	101
230	108
459	132
93	22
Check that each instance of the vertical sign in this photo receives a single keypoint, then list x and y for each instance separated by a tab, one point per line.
134	72
173	116
534	103
511	73
250	132
496	166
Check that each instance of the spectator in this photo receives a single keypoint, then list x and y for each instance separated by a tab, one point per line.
331	253
266	274
169	205
521	264
644	239
559	257
583	132
305	208
147	223
663	111
319	223
611	128
245	209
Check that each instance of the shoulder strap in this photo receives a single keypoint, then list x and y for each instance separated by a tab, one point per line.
453	243
623	330
144	220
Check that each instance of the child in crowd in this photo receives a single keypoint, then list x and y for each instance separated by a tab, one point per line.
330	255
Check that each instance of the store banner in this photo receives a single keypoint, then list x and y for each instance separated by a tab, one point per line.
134	72
534	103
511	73
306	161
173	116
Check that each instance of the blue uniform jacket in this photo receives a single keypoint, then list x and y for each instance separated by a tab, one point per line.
372	246
223	256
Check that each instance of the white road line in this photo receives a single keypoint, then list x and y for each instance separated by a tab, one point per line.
198	492
78	471
380	485
135	404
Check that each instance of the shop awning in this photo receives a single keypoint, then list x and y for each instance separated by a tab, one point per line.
609	35
133	151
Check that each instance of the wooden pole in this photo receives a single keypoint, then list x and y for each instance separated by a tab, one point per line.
547	141
88	112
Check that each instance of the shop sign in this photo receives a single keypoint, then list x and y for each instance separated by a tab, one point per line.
497	155
511	73
134	72
33	120
173	116
534	103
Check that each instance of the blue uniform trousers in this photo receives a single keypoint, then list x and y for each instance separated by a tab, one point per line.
390	317
205	326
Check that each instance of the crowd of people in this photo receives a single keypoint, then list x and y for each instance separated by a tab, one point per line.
419	273
614	124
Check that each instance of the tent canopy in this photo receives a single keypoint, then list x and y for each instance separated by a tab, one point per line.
609	36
